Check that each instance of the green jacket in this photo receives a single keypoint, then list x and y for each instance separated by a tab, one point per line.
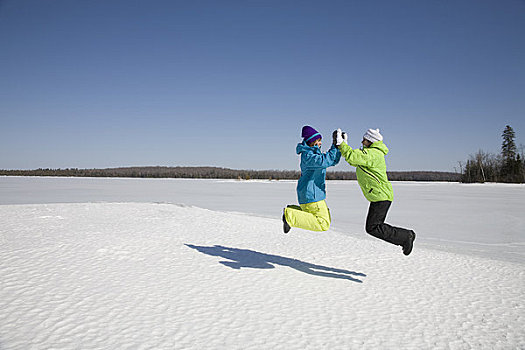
370	170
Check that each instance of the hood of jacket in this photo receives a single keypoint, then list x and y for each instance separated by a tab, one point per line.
303	147
380	146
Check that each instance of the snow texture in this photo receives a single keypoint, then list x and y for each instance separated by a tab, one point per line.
176	276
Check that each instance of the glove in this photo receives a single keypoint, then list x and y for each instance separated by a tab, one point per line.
334	137
338	139
345	137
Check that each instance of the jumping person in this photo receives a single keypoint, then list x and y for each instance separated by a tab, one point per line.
312	213
372	178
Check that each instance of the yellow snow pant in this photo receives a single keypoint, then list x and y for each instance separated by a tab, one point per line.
310	216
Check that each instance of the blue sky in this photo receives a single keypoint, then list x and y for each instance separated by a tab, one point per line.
94	84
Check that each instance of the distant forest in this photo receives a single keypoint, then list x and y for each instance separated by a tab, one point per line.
508	166
223	173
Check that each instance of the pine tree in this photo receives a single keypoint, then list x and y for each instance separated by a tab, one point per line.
508	147
510	170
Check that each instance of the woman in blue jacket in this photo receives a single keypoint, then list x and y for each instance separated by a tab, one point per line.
312	214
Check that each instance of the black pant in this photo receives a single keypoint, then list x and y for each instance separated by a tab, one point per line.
375	224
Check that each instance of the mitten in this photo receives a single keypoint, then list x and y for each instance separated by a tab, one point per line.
338	137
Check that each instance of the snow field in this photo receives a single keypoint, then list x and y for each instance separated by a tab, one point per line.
477	219
163	276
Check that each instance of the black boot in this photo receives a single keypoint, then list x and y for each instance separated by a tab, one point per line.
407	247
286	227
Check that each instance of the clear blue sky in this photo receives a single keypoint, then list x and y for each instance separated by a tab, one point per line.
105	83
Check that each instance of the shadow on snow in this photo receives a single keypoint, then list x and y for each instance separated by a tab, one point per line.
248	258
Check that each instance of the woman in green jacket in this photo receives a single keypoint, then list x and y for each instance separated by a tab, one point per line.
371	176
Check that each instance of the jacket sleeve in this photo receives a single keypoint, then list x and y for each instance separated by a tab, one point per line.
312	160
356	157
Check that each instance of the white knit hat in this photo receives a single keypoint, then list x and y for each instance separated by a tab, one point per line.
373	135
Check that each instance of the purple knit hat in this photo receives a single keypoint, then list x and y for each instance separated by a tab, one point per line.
309	134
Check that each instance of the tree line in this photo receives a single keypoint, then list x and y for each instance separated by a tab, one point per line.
507	166
222	173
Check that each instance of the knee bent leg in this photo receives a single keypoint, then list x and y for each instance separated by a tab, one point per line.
372	230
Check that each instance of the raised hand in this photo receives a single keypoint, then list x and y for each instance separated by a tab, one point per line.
345	137
334	136
338	139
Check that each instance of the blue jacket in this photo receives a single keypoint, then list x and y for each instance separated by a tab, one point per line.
311	185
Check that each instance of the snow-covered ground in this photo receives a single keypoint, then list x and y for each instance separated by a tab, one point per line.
203	264
486	220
